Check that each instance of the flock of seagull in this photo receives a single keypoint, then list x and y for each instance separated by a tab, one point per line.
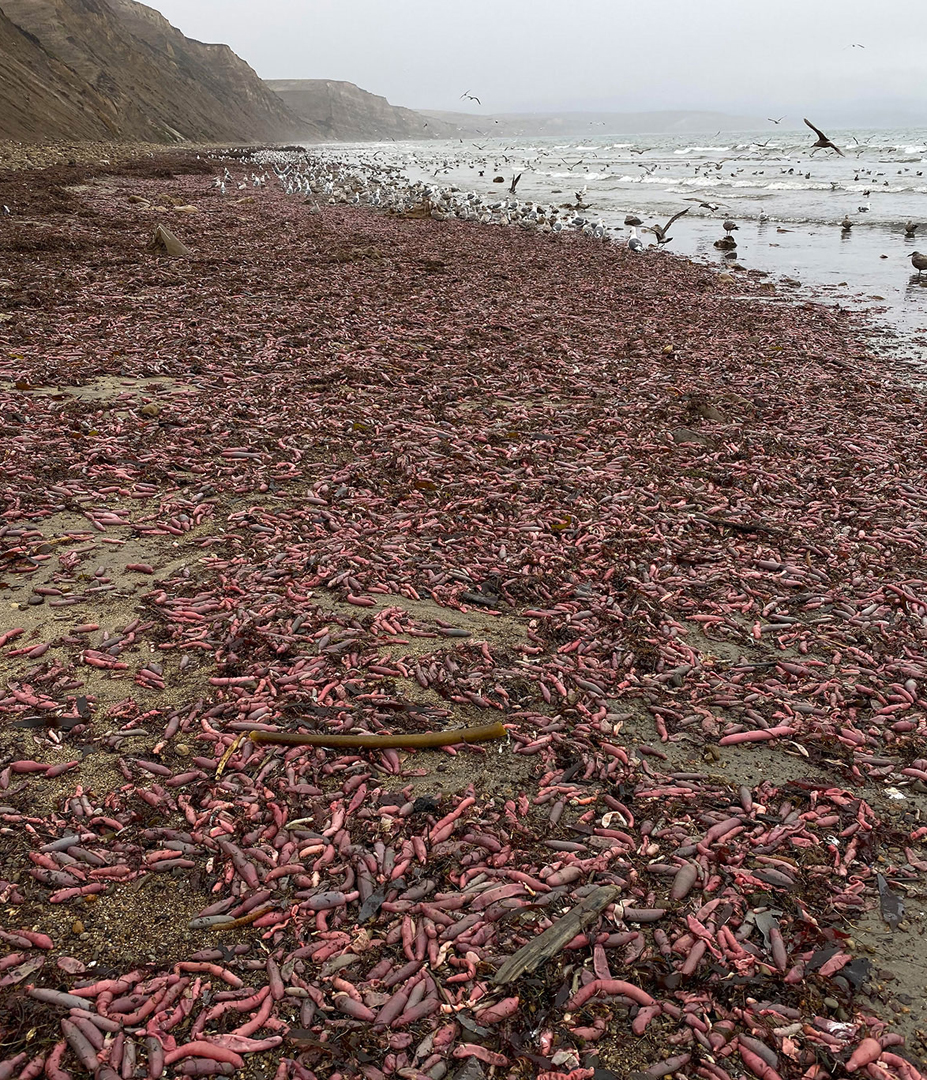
382	186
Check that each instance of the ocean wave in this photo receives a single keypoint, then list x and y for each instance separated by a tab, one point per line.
702	150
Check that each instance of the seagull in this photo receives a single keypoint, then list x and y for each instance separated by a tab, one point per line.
660	231
846	224
470	97
773	120
730	226
919	261
635	243
910	229
514	183
823	143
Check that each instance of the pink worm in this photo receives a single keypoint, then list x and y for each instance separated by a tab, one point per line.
34	1069
212	969
205	1050
502	1010
257	1021
8	1067
243	1045
468	1050
443	828
905	1069
868	1051
355	1009
53	1068
756	1064
755	736
611	988
670	1065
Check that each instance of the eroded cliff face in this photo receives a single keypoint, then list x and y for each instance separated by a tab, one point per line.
343	112
39	91
118	69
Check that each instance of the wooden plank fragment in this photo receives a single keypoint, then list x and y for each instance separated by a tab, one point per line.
552	940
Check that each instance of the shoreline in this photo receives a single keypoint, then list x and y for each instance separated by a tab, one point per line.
401	474
862	271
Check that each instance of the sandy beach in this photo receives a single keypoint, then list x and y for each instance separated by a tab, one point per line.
343	471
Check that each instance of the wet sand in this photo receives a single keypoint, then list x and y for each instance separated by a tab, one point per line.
347	471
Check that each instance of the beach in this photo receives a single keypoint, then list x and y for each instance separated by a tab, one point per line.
343	471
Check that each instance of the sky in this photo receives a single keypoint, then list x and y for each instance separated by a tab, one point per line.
822	58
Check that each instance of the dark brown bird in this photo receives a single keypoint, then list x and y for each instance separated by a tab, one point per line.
910	229
823	142
660	231
919	261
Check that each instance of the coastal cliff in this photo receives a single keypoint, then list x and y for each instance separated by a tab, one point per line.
116	69
343	112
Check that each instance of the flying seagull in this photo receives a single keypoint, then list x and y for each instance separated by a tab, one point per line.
470	97
773	120
823	143
660	231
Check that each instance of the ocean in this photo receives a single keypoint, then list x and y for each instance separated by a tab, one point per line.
787	202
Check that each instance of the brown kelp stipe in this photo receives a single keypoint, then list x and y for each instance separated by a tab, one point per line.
483	733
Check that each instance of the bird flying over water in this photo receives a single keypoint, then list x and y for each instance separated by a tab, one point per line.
660	231
823	143
470	97
773	120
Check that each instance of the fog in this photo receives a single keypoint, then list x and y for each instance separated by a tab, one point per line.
844	61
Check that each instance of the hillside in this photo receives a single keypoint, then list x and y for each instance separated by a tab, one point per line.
342	112
118	69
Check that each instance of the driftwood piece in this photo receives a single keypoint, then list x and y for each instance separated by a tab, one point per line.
555	937
452	737
163	240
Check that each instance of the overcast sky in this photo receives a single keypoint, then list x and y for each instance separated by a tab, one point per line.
738	56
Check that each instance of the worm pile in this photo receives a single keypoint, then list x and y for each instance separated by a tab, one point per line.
348	472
